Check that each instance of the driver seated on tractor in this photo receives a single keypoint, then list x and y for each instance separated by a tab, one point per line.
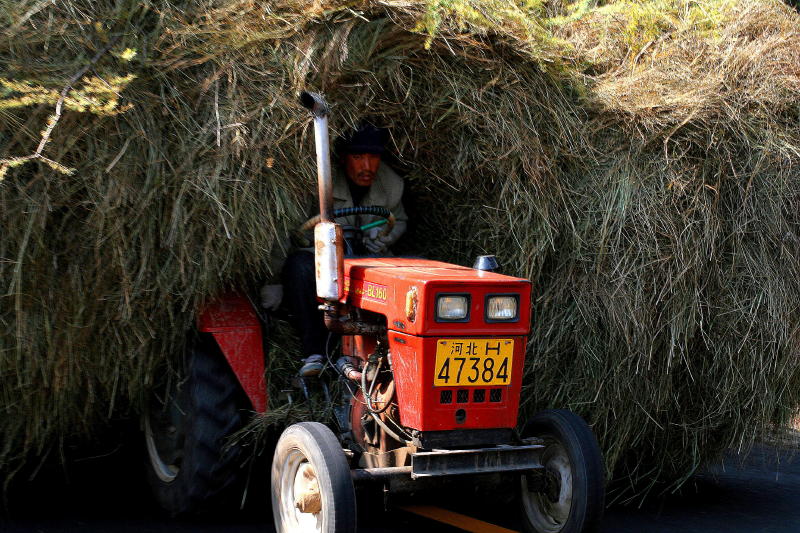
361	179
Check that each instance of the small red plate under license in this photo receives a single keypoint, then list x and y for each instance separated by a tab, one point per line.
473	362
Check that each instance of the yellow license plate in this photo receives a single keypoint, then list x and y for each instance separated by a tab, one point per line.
471	362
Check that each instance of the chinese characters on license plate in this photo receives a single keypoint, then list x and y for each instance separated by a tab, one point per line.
461	362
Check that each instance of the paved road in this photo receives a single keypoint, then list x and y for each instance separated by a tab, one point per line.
761	495
107	494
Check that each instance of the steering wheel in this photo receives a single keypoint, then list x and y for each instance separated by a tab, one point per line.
387	221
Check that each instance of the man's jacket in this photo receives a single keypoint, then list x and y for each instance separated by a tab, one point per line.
386	191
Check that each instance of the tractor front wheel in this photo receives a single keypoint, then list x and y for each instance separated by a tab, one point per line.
569	496
311	485
189	418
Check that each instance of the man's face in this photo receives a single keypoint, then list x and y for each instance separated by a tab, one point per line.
362	168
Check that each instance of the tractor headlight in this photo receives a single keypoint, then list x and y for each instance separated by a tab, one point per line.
504	308
452	307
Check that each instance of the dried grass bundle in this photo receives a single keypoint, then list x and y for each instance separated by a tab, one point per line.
637	160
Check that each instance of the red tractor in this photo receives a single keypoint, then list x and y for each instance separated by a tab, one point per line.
431	364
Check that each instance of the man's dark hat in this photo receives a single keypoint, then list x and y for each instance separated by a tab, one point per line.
367	139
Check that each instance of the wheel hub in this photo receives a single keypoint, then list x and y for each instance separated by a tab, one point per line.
552	484
548	505
301	501
307	496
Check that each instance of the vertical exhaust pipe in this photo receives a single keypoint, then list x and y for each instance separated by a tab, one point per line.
319	109
328	237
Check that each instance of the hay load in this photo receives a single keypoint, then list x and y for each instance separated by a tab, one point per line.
637	160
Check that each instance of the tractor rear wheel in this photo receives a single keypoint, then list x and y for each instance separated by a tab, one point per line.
187	424
311	485
571	496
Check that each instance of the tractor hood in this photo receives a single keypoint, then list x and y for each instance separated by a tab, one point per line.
406	292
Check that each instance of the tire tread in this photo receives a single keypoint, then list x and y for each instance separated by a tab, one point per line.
581	444
216	411
321	447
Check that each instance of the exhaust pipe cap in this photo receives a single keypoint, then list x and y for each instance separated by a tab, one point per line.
315	103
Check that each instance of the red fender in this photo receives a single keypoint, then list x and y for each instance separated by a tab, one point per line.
234	324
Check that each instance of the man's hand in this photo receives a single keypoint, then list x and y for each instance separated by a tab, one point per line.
271	296
376	243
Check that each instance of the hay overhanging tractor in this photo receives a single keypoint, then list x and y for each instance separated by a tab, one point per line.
432	360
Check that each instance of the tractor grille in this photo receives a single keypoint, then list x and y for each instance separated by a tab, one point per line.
463	396
446	396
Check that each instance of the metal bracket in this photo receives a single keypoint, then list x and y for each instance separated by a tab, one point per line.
476	461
